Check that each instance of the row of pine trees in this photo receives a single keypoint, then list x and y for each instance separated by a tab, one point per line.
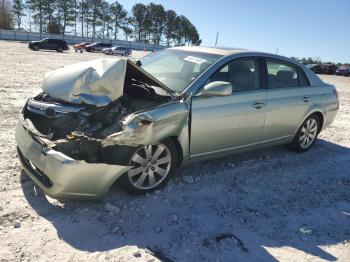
100	19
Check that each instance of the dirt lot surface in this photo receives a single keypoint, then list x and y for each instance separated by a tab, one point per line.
267	205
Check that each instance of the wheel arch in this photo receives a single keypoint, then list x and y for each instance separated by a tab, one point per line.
314	112
174	140
178	146
320	117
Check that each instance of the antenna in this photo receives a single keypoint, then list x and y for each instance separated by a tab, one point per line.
216	40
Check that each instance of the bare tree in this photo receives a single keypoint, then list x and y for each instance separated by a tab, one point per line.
66	13
18	9
157	16
170	26
96	12
139	12
118	14
37	7
6	17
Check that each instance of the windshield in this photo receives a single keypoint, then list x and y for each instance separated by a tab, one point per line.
177	69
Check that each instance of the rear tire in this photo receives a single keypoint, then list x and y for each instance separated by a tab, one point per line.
126	54
59	49
154	166
307	134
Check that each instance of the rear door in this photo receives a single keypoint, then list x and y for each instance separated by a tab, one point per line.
222	123
289	97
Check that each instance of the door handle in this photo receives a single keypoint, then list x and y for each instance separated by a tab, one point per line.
258	104
306	99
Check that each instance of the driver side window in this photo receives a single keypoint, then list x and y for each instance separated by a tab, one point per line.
242	73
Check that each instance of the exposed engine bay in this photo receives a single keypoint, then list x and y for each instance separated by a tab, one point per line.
77	129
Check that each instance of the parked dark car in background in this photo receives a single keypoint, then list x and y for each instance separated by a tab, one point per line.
49	44
97	46
328	69
80	47
343	71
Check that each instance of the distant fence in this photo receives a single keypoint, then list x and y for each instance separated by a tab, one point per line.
32	36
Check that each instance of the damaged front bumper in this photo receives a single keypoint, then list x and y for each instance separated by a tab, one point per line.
60	176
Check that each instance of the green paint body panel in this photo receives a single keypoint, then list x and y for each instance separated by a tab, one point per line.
205	127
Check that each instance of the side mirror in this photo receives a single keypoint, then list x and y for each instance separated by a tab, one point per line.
217	88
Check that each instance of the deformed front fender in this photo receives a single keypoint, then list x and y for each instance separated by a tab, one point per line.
150	127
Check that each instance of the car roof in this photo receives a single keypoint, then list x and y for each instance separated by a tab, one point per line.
229	51
213	50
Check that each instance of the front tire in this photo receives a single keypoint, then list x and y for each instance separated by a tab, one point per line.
60	49
307	134
36	48
153	167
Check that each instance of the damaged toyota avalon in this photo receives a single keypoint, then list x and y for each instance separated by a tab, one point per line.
111	120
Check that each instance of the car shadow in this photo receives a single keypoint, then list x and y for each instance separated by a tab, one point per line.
241	207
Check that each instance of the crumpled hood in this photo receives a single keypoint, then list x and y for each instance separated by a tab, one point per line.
96	82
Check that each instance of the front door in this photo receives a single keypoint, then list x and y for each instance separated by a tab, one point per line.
222	123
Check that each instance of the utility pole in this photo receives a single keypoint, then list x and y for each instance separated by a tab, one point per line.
216	40
277	51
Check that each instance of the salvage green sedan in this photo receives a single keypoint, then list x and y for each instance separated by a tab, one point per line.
137	122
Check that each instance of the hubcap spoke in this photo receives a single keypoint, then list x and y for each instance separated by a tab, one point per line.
163	160
307	141
160	171
151	178
308	124
148	151
314	129
135	171
313	122
303	144
158	152
141	180
138	159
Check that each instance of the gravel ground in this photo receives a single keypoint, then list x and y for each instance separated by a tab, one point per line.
267	205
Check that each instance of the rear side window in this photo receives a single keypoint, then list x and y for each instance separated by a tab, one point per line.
282	74
303	81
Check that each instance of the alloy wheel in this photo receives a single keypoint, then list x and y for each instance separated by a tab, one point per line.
151	165
308	133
